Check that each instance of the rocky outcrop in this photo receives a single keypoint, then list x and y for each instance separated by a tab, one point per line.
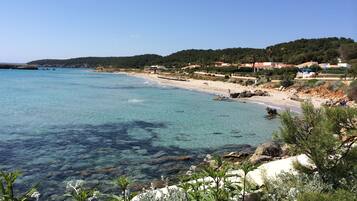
256	177
236	156
271	113
248	94
266	152
295	97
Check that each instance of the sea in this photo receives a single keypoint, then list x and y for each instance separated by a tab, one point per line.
63	125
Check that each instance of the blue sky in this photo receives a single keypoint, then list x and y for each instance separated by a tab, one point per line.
40	29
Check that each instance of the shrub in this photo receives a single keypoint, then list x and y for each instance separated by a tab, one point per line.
173	194
335	86
7	181
313	83
286	82
339	195
326	136
287	186
352	91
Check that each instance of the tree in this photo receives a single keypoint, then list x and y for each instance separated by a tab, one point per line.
326	136
353	71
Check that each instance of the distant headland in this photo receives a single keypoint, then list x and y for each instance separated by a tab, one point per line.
18	66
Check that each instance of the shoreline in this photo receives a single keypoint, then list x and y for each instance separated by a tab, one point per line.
277	99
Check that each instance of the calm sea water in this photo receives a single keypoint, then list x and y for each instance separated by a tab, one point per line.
69	124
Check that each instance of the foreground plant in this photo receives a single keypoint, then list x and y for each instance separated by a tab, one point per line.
79	193
214	182
246	167
327	136
7	181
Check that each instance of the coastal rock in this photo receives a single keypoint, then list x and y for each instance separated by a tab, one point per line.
245	94
266	152
165	159
136	186
255	159
234	95
260	93
271	148
236	156
296	98
248	94
271	113
157	184
221	98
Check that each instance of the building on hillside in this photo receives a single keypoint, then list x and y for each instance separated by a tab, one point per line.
221	64
248	65
339	65
191	66
271	65
308	64
305	73
155	68
344	65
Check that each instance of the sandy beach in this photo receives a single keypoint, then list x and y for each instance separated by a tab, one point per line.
276	99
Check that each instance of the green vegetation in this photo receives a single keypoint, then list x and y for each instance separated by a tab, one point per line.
287	81
120	62
353	71
217	185
326	136
352	91
7	191
295	52
324	50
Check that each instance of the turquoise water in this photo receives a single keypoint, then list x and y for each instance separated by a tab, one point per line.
68	124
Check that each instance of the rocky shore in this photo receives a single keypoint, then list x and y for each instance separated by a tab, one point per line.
271	159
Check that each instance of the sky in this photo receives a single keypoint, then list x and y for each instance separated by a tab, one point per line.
41	29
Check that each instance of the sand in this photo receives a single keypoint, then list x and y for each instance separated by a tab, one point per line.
276	99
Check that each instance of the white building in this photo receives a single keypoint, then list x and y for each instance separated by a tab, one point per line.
221	64
344	65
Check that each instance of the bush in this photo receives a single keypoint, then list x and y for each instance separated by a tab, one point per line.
339	195
352	91
335	86
314	83
287	186
326	136
286	82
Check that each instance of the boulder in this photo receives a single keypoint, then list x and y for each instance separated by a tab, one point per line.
260	93
157	184
236	156
234	95
255	159
295	97
245	94
266	152
271	148
271	113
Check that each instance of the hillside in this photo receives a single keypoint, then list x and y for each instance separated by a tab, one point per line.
133	61
294	52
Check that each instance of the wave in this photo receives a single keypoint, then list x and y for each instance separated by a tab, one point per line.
135	100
